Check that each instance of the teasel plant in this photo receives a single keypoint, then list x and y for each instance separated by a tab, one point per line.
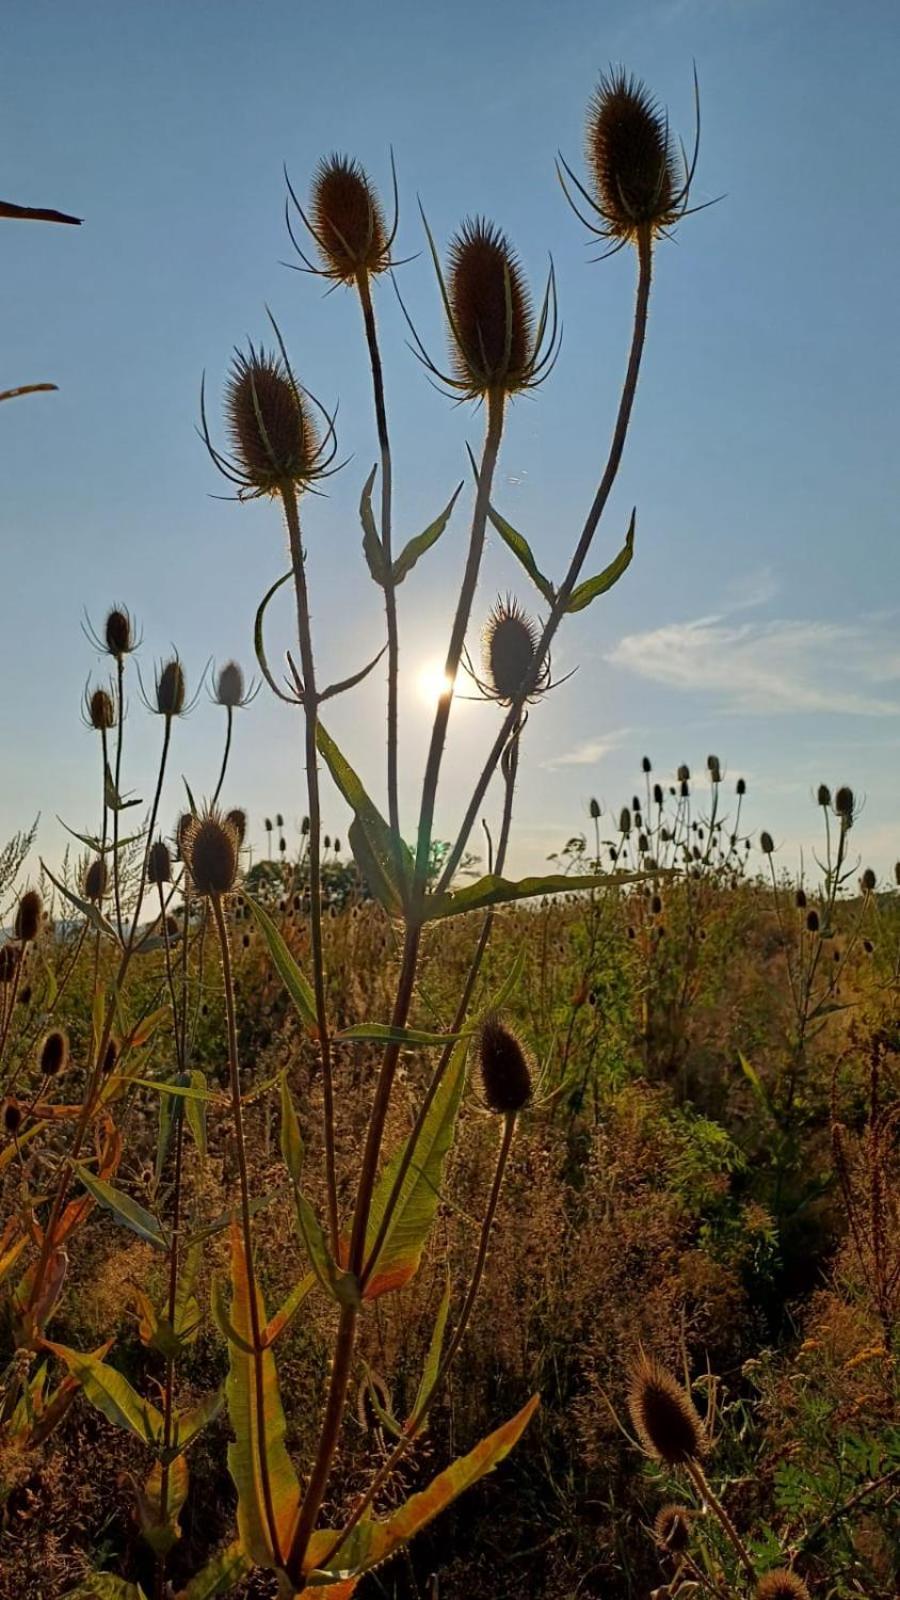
11	212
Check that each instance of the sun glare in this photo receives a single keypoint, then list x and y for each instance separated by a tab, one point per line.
432	682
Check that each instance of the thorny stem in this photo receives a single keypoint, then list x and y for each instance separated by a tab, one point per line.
229	711
310	712
557	610
120	707
246	1230
390	598
698	1478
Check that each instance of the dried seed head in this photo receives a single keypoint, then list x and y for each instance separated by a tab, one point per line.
28	916
101	710
505	1073
118	632
95	881
182	828
270	421
657	794
492	330
684	773
766	843
509	647
12	1116
159	863
781	1585
238	820
595	809
714	768
347	220
53	1056
664	1417
812	921
740	787
800	899
631	159
672	1528
230	685
211	852
869	880
10	956
843	804
624	820
646	764
170	689
823	795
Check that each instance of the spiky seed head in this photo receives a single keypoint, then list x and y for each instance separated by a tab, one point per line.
766	843
509	647
211	852
95	881
740	787
238	819
270	421
646	764
304	826
843	804
800	899
171	689
28	916
595	809
672	1528
684	773
230	685
657	794
664	1417
869	880
714	768
812	921
624	820
348	220
897	873
12	1116
182	827
118	632
823	795
54	1053
492	327
159	863
10	955
631	158
505	1073
781	1585
101	710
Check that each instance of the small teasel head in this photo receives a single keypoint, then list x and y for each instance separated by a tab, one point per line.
118	636
766	843
12	1117
781	1585
508	652
230	689
28	916
664	1416
714	768
844	805
740	788
869	880
210	849
170	689
347	220
491	321
159	863
823	796
276	444
53	1055
812	921
646	764
625	820
238	819
95	881
594	809
99	709
672	1528
505	1071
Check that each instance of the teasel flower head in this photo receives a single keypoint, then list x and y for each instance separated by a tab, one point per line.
637	188
869	880
664	1416
238	819
346	219
766	843
95	881
276	444
159	863
505	1071
28	916
672	1528
823	796
99	709
210	846
845	805
594	809
230	690
118	636
53	1056
781	1585
509	648
12	1117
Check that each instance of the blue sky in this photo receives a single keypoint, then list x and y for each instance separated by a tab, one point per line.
760	616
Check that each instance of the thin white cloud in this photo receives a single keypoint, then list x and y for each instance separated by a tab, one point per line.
772	667
589	752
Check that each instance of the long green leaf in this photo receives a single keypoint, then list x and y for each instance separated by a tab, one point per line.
372	546
124	1209
589	590
416	547
521	549
111	1394
298	987
373	843
494	891
105	1586
383	1033
219	1574
188	1424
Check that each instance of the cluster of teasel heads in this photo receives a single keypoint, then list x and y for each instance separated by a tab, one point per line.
671	1433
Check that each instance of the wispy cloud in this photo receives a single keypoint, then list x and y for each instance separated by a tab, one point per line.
589	752
773	667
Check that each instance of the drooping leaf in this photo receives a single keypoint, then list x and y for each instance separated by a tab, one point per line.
416	547
259	642
372	1542
298	987
384	1033
521	549
376	872
267	1486
401	1252
160	1529
374	841
589	590
288	1309
495	891
111	1394
372	546
112	797
124	1209
188	1424
219	1574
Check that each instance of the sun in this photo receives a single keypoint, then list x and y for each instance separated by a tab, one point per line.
432	682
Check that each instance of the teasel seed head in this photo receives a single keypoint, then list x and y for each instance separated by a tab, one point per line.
781	1585
347	220
238	819
869	880
230	686
664	1416
646	764
823	795
714	768
505	1072
672	1528
740	787
624	820
595	809
10	956
812	921
636	184
657	794
12	1116
492	342
211	852
118	633
170	691
28	916
53	1056
100	709
800	899
274	437
95	881
159	863
844	804
509	648
766	843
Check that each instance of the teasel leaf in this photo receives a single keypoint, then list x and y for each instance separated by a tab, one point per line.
189	1424
298	987
384	1033
259	1437
433	1358
111	1394
495	891
371	1541
340	1285
221	1573
124	1209
111	795
106	1586
87	907
195	1111
97	845
521	549
375	848
400	1254
259	643
375	869
220	1223
589	590
187	1306
372	546
351	682
28	388
288	1309
162	1532
416	547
